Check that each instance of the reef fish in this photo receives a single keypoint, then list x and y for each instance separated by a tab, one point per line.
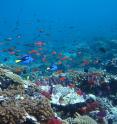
25	59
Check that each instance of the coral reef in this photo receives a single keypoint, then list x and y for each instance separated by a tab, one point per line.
11	112
15	104
8	78
40	109
24	102
81	120
14	108
84	120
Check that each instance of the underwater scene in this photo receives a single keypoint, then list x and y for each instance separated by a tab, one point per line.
58	61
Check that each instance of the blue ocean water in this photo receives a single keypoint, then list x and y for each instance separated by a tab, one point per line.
59	23
89	18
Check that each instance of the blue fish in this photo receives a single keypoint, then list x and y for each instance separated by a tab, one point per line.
54	67
25	59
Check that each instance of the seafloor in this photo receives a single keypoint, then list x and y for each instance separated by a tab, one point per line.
73	97
80	88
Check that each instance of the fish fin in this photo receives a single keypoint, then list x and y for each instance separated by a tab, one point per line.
17	61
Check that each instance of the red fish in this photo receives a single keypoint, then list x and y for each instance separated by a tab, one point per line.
64	58
54	53
59	63
62	78
85	62
40	43
33	52
12	53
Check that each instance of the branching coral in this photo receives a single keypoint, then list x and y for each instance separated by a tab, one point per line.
13	91
13	110
11	113
40	109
